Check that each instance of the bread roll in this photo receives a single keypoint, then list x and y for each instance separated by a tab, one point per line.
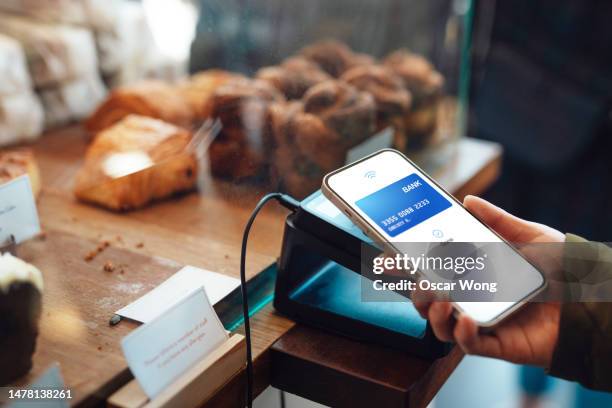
294	76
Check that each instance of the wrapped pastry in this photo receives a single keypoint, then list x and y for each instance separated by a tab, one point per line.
17	162
136	161
152	98
13	69
334	57
312	137
72	100
21	118
241	149
391	97
21	287
293	77
54	53
425	84
199	88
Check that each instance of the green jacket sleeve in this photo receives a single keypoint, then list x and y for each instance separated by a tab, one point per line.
584	346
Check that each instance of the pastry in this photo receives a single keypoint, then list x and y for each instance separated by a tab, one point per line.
241	149
136	161
17	162
199	88
392	98
312	137
334	57
425	84
152	98
21	287
294	76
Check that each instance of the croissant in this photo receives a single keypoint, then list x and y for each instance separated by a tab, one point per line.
241	149
294	76
134	162
425	84
152	98
312	137
392	99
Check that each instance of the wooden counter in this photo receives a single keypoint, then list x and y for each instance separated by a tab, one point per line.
202	229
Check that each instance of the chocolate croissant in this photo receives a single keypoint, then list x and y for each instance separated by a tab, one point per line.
425	84
312	136
241	149
392	99
152	98
293	77
334	57
134	162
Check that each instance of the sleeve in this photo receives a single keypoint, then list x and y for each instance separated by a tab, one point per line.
584	347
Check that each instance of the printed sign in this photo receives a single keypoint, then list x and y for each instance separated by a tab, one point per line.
163	349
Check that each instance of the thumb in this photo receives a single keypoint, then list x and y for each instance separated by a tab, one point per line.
504	223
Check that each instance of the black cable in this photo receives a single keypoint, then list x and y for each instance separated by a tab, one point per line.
291	204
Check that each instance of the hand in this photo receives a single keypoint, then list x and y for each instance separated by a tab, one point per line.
527	337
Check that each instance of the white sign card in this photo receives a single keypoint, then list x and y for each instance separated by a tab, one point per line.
175	288
160	351
18	215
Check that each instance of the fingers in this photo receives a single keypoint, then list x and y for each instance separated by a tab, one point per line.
505	224
467	336
441	320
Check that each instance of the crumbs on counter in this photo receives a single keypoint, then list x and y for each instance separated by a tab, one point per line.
118	238
108	266
140	245
92	254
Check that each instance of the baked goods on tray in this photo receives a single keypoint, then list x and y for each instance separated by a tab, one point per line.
21	287
136	161
294	76
392	98
425	84
17	162
198	89
312	137
151	98
241	149
334	57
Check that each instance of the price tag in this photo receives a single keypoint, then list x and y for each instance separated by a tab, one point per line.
160	351
18	215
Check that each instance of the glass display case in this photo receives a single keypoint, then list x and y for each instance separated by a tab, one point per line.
165	121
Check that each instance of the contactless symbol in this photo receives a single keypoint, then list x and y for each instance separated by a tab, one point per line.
437	233
370	174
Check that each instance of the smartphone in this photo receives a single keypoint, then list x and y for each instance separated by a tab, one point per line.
378	191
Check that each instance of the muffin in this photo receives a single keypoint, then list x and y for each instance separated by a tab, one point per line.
335	57
392	99
293	77
313	136
425	84
21	288
240	151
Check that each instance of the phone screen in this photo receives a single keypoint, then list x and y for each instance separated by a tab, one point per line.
402	204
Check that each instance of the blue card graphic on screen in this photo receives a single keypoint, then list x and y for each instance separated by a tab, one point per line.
403	204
